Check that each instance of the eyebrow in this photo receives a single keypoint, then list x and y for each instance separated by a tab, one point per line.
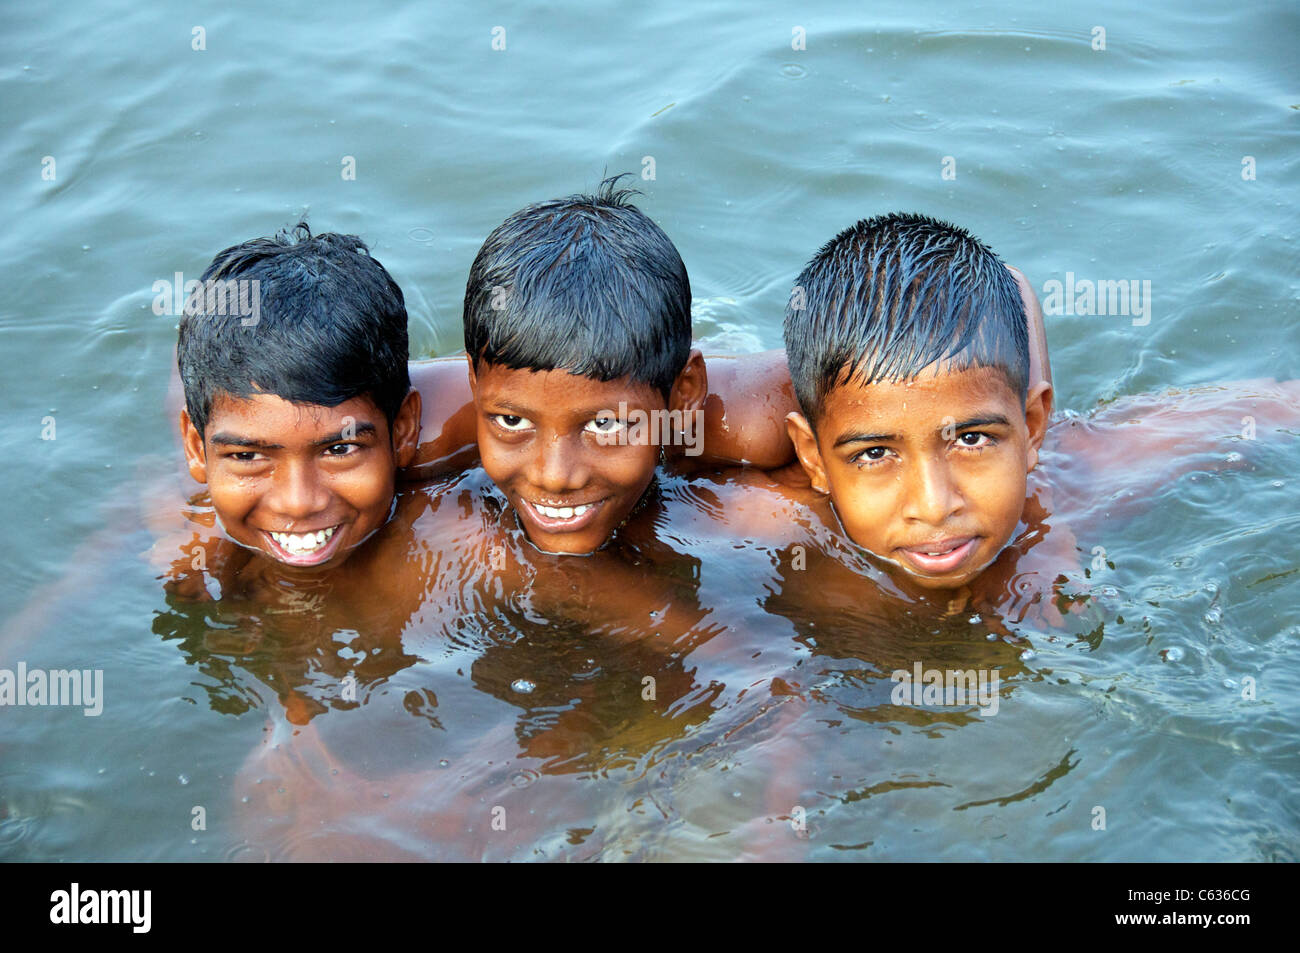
983	422
363	427
990	420
866	438
234	440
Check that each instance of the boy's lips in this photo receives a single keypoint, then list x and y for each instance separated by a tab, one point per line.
940	556
305	549
561	519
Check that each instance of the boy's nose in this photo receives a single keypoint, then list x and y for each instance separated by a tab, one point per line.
932	496
558	466
297	492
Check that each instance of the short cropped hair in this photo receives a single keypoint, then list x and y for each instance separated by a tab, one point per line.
330	325
587	284
890	296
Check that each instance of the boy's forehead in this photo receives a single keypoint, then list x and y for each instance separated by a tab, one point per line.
937	392
272	419
559	390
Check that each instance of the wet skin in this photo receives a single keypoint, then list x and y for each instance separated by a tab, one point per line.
549	440
930	474
303	484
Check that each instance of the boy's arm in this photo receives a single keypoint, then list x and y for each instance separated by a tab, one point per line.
448	432
1121	451
744	414
750	395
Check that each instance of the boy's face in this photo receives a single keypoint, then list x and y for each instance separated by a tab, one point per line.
928	474
302	483
540	439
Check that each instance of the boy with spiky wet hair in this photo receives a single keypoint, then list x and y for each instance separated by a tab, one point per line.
578	327
910	359
588	284
925	403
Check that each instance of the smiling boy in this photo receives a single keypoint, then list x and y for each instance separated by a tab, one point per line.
577	317
298	422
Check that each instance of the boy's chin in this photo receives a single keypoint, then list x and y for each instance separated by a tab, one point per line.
944	582
565	544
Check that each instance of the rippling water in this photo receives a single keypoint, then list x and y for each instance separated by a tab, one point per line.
1122	163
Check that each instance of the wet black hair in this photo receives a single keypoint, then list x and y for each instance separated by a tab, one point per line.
329	325
587	284
890	296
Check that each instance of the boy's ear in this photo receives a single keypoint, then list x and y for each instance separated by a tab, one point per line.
406	428
805	447
473	379
192	443
692	385
1038	410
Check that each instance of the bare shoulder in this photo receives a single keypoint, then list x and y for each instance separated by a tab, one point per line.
773	507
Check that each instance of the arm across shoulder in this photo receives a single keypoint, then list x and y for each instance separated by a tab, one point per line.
744	414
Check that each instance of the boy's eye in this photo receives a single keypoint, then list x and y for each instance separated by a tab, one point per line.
870	455
604	425
512	422
244	456
341	449
974	439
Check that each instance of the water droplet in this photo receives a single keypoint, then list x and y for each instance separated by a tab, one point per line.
1172	654
182	779
244	799
1028	654
523	686
444	763
1214	615
1233	457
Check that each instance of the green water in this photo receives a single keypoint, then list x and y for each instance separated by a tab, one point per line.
1122	163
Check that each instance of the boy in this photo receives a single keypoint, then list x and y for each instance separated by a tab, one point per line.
582	375
922	418
298	421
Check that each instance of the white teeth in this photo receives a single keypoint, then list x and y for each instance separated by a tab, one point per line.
562	512
305	542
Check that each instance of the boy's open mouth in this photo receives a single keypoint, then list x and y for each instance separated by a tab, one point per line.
939	557
305	549
561	519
